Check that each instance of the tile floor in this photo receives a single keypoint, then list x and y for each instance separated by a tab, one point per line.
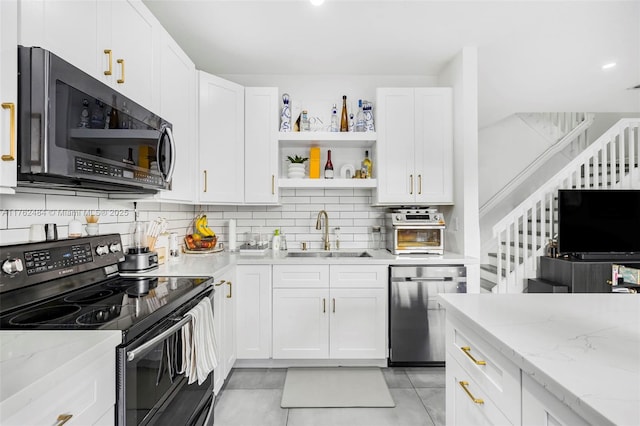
251	397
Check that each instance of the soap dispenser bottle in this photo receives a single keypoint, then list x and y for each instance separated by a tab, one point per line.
275	241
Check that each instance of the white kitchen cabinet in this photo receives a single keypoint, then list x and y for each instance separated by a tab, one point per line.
415	145
466	402
132	33
115	41
224	312
300	323
329	312
261	145
81	385
220	140
8	95
178	106
541	408
253	311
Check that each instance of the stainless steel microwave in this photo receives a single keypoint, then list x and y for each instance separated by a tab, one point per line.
76	132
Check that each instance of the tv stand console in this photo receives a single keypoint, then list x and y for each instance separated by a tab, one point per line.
579	276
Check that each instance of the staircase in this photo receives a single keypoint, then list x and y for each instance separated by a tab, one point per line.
521	236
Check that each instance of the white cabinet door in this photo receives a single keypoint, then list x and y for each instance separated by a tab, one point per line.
68	28
219	334
230	333
300	323
434	145
253	311
415	145
541	408
395	126
220	140
8	94
178	106
261	145
358	318
135	46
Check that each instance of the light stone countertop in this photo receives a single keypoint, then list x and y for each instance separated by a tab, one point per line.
583	348
216	263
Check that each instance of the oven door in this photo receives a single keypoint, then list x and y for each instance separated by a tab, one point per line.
418	239
150	391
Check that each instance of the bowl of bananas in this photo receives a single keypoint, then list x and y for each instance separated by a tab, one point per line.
202	237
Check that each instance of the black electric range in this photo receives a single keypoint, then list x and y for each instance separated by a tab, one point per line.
75	284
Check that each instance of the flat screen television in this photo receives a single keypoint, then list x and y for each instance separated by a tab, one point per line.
599	224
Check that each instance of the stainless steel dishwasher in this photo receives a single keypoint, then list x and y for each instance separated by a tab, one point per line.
416	319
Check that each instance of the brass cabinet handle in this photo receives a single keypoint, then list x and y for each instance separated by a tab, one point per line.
273	184
473	398
229	284
411	184
324	307
12	131
121	62
63	418
467	352
205	181
109	71
419	184
220	283
334	305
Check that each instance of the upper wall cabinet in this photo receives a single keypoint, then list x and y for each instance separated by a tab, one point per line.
261	145
220	140
115	41
8	94
415	146
178	106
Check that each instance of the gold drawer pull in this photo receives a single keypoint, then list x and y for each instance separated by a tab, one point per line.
12	131
411	185
121	80
63	418
205	181
324	305
220	283
467	352
229	283
473	398
419	184
109	54
273	184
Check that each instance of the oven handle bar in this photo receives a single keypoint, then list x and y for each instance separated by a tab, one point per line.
131	355
411	279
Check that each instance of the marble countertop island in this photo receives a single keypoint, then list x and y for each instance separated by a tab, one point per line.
583	348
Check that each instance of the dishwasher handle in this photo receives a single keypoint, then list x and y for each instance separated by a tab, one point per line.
423	279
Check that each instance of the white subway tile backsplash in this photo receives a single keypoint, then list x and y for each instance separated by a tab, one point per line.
296	216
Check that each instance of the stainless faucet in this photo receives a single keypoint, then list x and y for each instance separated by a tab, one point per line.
327	246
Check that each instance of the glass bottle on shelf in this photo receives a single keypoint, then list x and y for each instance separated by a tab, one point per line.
351	122
304	122
285	115
368	117
360	122
366	166
334	118
97	115
328	167
125	120
344	118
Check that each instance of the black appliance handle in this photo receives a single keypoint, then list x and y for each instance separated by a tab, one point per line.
172	154
132	354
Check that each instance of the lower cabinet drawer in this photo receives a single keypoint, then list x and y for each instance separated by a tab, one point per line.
492	372
86	395
466	402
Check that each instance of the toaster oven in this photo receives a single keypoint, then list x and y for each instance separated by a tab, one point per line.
415	231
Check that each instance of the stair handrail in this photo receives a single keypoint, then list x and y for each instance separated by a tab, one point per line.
577	133
566	178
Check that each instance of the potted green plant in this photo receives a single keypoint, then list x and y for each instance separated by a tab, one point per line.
296	167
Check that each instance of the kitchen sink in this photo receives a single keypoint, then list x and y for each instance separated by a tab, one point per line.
328	254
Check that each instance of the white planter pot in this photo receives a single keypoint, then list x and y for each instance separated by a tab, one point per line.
296	171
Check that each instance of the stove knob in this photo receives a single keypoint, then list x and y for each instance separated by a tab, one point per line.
114	247
102	250
398	217
12	266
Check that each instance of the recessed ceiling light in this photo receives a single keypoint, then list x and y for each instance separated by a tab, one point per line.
609	65
316	2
